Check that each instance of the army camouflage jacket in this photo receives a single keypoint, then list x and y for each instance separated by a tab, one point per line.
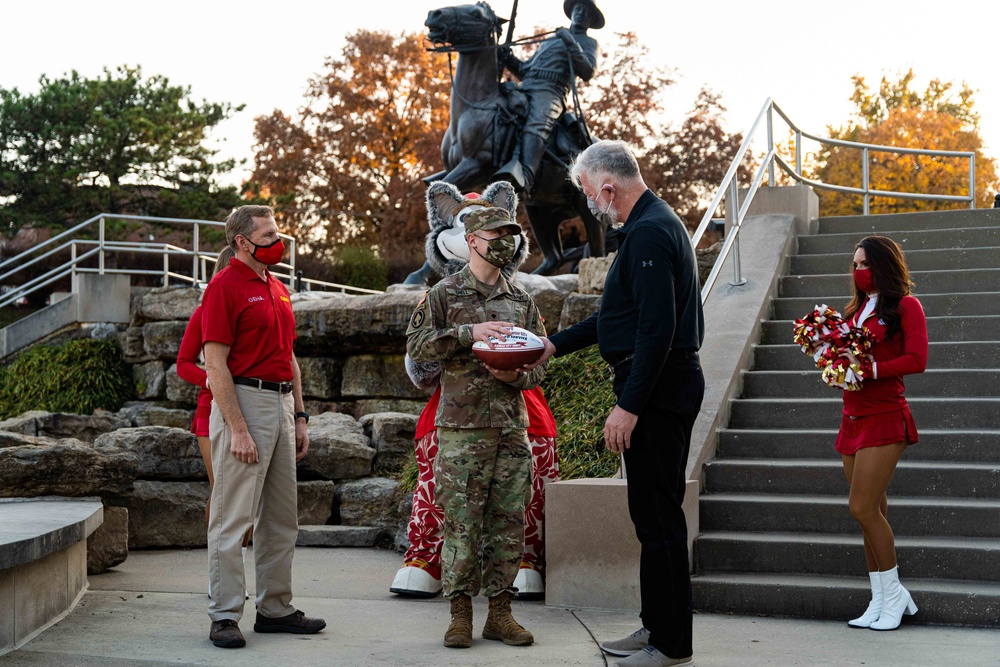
441	330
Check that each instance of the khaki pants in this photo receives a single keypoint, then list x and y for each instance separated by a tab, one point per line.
262	494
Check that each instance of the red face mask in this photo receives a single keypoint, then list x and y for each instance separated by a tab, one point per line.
863	279
268	254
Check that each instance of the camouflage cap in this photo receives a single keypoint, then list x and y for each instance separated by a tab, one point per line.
490	218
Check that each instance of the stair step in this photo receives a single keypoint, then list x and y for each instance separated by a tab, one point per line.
824	477
943	602
978	446
933	383
338	536
869	225
825	413
954	304
953	259
982	237
957	354
828	554
971	328
764	513
926	282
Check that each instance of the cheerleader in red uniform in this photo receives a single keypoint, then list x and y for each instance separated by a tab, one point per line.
877	425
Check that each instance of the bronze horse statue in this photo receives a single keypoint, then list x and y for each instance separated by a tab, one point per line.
482	134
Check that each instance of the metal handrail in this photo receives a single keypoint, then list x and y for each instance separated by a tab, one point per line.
730	184
98	247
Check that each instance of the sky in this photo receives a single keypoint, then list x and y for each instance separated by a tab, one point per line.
801	53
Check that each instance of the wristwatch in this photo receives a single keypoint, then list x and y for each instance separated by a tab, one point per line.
303	415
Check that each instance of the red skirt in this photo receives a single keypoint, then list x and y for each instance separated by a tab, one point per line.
199	425
884	428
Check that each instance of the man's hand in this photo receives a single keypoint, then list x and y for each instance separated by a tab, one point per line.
618	430
301	439
565	35
243	447
484	330
549	350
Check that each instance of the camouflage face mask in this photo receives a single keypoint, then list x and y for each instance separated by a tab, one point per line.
499	251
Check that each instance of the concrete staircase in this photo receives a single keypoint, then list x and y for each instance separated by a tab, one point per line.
776	534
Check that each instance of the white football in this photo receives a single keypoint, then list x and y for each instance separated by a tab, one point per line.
521	347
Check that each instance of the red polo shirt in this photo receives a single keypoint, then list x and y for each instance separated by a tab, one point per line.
254	318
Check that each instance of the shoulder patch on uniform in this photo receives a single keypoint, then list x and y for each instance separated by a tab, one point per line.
417	319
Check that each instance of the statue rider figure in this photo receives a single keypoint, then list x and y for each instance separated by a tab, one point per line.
546	78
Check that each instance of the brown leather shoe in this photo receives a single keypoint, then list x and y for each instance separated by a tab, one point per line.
297	624
459	633
226	634
500	623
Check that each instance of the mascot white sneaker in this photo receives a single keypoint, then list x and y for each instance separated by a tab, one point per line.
447	252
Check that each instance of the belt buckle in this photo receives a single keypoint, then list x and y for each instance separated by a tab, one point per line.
285	387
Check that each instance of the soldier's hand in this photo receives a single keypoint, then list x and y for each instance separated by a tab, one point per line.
484	330
243	447
503	376
565	35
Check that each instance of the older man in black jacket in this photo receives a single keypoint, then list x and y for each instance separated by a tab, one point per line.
649	329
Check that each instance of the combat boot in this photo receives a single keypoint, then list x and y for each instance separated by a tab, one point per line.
459	633
500	623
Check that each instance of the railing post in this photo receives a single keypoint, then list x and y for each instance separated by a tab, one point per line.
972	181
734	197
798	152
291	260
194	262
864	171
166	268
72	260
100	243
770	145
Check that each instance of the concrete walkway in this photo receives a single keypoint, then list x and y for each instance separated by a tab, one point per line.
150	611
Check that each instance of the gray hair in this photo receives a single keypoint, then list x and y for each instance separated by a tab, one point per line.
241	222
606	158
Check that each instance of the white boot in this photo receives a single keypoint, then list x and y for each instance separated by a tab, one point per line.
896	601
874	607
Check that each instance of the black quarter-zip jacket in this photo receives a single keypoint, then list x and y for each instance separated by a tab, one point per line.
651	302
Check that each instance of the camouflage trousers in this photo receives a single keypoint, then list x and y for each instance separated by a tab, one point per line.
483	482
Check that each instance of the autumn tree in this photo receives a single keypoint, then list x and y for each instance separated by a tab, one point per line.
939	118
347	168
118	143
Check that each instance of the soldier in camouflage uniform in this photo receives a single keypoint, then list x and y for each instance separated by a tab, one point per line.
483	466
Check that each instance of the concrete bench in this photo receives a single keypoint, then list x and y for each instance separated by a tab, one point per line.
591	551
43	562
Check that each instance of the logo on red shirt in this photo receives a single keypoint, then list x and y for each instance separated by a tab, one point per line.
254	299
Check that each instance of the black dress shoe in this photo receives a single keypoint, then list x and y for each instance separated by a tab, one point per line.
226	634
296	623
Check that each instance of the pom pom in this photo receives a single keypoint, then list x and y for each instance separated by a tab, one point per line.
839	350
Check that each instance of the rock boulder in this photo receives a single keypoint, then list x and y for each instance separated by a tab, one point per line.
354	324
338	449
373	501
64	468
165	515
164	453
108	545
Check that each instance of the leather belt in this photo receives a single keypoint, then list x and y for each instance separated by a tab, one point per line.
280	387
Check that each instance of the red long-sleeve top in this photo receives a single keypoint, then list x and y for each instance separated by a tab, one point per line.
905	353
187	358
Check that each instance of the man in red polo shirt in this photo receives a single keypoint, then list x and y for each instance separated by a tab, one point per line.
258	432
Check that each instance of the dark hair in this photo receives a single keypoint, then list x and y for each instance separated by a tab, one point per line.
222	261
891	277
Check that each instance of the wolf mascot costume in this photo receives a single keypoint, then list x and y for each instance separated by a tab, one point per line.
447	252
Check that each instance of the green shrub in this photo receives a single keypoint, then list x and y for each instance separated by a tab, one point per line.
79	377
359	266
578	389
